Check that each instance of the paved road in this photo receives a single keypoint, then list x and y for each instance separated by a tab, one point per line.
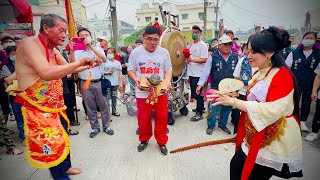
116	157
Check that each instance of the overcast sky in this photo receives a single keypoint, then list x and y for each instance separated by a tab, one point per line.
245	16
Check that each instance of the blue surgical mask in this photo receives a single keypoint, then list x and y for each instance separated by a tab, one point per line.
110	56
308	42
13	58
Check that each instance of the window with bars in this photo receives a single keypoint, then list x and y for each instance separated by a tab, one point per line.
184	16
201	16
148	19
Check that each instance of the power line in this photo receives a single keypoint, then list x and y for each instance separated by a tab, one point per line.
128	3
93	4
232	20
249	10
223	4
105	15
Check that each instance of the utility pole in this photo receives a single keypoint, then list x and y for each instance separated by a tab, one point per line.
114	19
163	15
216	10
205	20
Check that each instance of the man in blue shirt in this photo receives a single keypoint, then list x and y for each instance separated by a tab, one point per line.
221	65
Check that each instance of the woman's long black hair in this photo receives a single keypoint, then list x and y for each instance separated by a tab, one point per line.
274	40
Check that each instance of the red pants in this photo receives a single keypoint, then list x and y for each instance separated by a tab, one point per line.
161	119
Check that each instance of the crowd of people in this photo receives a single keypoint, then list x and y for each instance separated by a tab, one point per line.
274	73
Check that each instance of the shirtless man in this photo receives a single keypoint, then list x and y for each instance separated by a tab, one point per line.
39	69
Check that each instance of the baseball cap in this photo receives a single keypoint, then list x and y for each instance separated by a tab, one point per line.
225	39
196	27
229	31
4	36
102	38
139	41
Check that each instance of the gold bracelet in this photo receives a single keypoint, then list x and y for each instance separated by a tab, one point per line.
234	103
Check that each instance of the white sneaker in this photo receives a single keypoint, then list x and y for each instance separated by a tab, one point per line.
312	136
303	126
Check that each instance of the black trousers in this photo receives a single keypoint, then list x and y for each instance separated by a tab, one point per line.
69	101
199	98
258	172
4	102
305	104
59	172
235	116
316	118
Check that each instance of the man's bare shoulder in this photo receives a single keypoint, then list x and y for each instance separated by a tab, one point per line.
28	42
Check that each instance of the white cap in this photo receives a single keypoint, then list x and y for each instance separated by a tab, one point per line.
225	39
102	38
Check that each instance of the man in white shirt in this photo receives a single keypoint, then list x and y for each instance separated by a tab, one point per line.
92	96
196	62
144	61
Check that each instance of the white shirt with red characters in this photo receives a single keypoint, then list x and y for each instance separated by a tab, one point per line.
197	50
145	63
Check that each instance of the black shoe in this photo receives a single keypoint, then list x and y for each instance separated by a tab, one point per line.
225	129
142	146
116	114
209	131
74	123
203	110
163	149
196	118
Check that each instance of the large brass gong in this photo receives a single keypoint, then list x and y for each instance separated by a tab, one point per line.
175	43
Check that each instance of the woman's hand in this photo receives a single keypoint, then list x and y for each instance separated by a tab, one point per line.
120	87
314	96
221	98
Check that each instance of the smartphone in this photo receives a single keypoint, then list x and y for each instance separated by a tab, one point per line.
221	22
78	43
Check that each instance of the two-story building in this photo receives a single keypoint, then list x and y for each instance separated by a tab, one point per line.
189	15
39	8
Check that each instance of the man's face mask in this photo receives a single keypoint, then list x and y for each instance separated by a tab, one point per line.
195	36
